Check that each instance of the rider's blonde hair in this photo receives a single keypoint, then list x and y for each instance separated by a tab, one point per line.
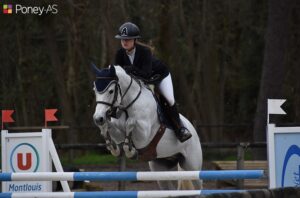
148	45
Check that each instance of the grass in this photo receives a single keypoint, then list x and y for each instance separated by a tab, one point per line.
226	156
89	158
248	156
93	158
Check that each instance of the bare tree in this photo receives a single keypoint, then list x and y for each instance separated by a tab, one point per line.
273	73
60	84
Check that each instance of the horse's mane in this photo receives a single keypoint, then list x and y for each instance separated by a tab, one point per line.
120	72
119	69
142	81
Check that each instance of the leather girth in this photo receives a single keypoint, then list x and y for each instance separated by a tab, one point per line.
149	152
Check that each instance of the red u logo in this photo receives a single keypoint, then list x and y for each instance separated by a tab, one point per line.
28	161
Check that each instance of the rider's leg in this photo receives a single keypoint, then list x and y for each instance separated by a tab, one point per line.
166	89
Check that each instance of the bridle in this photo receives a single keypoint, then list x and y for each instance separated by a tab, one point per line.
113	110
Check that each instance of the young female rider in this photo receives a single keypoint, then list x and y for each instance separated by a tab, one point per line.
139	61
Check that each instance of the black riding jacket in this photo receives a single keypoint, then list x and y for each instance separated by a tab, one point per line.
145	65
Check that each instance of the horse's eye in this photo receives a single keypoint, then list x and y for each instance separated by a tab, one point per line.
111	91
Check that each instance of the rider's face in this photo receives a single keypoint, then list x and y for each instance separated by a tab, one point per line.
127	44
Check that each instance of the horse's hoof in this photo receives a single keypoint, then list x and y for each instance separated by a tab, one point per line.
114	149
130	152
115	153
134	157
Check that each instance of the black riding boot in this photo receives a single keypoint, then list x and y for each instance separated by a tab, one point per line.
181	132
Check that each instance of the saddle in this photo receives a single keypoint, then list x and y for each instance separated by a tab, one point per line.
161	101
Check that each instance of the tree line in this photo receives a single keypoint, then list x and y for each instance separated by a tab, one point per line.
226	58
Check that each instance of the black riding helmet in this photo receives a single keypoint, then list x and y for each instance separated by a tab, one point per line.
128	31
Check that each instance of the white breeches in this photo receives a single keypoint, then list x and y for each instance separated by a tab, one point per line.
166	89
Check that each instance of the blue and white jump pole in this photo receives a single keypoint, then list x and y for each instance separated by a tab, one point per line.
133	176
116	194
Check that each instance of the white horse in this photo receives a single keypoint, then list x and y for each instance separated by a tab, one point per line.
126	114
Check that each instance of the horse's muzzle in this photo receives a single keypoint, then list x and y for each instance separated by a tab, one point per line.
99	120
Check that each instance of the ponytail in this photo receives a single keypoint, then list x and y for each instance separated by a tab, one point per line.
149	46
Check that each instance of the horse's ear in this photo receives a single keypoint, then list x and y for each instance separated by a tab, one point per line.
112	69
95	69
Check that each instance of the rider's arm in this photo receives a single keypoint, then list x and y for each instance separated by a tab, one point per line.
119	58
143	67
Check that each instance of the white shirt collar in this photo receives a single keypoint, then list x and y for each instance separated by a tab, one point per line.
131	55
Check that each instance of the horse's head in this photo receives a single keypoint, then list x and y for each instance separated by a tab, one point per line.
107	91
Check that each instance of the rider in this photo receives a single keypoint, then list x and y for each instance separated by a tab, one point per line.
138	60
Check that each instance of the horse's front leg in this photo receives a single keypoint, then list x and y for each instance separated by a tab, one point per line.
110	144
128	147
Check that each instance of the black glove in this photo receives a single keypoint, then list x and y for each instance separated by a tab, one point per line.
155	79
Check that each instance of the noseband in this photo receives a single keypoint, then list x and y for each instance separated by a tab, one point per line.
112	112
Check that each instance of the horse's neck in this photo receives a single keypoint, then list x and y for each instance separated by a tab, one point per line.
135	89
132	89
143	109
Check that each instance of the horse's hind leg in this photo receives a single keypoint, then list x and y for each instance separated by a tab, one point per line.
188	164
192	164
163	165
193	160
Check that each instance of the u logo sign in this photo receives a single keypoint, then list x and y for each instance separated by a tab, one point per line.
28	161
24	158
